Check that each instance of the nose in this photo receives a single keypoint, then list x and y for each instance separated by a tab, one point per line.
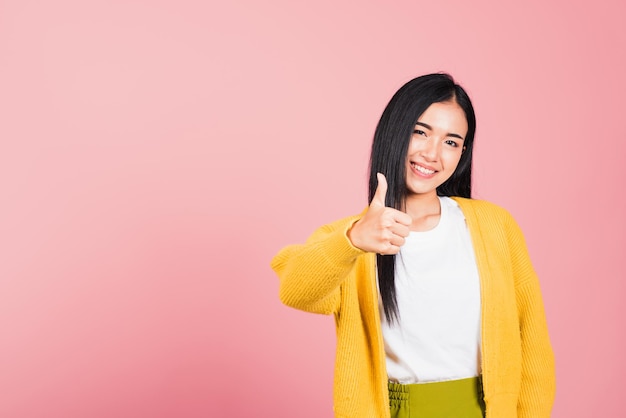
432	149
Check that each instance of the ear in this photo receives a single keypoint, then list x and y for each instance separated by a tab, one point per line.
464	148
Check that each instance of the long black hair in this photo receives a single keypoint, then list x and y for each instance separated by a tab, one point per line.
389	153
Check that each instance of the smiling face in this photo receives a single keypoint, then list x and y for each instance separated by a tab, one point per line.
435	148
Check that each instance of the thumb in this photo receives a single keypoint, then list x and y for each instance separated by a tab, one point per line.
381	191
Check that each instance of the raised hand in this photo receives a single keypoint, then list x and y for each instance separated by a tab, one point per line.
381	230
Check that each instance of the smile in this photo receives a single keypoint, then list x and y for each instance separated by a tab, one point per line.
422	170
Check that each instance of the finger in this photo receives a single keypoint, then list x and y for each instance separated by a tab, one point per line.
396	216
390	250
381	191
402	218
397	241
400	230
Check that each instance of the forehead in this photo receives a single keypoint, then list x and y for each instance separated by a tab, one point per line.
447	117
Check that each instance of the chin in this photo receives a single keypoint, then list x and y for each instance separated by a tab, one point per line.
416	191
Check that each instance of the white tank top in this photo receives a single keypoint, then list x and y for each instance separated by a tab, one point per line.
438	294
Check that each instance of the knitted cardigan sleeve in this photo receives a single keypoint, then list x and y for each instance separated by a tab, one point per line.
538	375
311	273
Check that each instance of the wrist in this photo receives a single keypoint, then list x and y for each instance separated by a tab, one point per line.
352	235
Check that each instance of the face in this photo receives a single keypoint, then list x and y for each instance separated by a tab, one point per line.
435	148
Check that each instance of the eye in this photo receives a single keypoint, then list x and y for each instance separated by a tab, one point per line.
419	132
452	143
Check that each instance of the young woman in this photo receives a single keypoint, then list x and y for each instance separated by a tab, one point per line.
438	309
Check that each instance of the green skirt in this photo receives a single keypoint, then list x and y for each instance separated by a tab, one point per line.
452	398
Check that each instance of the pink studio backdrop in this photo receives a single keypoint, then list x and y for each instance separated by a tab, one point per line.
154	155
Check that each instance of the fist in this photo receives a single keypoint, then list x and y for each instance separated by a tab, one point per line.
381	230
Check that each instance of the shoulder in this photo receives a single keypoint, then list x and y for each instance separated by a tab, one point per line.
480	206
485	213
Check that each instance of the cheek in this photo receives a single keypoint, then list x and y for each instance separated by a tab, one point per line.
452	159
414	146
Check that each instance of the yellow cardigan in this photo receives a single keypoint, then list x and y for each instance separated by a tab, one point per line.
328	275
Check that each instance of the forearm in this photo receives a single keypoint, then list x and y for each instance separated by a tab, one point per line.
538	370
311	274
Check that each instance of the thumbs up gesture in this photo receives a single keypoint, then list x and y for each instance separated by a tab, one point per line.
381	230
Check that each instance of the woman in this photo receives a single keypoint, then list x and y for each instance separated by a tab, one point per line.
438	309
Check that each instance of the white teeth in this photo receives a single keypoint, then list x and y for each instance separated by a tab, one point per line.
423	170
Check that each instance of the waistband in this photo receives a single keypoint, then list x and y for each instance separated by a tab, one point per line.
469	388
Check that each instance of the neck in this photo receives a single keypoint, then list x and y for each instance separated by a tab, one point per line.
424	209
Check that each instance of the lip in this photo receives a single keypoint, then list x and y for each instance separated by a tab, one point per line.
418	173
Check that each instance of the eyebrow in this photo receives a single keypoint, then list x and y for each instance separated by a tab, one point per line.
427	126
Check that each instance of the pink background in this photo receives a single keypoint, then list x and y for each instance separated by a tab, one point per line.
154	155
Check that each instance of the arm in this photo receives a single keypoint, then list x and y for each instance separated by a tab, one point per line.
538	374
311	274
